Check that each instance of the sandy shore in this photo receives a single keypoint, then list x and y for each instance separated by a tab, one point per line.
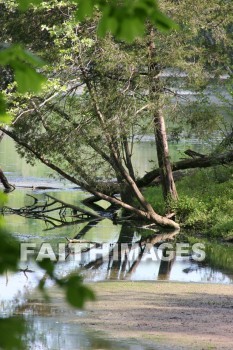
158	315
164	315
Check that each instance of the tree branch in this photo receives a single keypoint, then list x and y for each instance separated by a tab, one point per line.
206	162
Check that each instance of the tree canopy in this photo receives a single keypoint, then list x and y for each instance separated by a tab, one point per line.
98	94
108	71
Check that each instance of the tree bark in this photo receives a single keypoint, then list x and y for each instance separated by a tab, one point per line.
5	182
148	213
206	162
127	157
167	181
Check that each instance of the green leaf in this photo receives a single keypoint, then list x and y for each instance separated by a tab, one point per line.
85	9
76	293
24	4
2	104
28	79
112	24
23	63
2	108
162	22
47	265
12	330
131	28
4	117
107	24
27	56
126	20
9	252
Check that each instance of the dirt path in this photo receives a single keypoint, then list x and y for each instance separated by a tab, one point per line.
165	315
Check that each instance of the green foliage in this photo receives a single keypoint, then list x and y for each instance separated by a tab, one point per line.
208	194
85	9
4	117
24	4
9	252
191	211
76	292
201	119
9	247
23	64
154	196
48	266
224	226
218	256
12	330
205	201
125	19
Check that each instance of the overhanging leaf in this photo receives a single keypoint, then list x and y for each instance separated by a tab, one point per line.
28	79
24	4
47	265
85	9
9	252
24	66
77	293
12	330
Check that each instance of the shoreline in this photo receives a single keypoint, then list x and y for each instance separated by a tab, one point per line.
158	315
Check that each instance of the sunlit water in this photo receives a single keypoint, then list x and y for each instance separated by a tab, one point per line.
93	262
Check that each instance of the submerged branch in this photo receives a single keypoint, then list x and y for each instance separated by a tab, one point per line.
76	208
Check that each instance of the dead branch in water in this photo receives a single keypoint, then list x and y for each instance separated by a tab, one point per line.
53	211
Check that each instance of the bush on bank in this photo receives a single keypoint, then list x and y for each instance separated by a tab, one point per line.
205	201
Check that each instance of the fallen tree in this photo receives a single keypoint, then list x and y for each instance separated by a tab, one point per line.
201	162
146	213
108	191
101	94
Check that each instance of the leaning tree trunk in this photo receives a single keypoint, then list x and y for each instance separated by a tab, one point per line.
167	180
4	181
155	89
146	213
147	210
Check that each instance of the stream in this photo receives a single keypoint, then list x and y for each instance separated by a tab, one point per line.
98	259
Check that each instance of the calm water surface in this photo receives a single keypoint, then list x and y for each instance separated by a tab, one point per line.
99	259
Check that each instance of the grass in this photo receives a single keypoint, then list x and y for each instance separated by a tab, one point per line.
205	201
218	256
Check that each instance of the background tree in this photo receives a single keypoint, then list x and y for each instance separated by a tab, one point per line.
15	61
201	50
105	101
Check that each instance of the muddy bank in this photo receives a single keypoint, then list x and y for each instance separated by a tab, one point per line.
195	316
161	315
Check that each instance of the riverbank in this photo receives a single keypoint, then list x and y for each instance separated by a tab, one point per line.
160	315
205	202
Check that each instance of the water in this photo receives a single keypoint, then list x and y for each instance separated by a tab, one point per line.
96	261
103	231
55	326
